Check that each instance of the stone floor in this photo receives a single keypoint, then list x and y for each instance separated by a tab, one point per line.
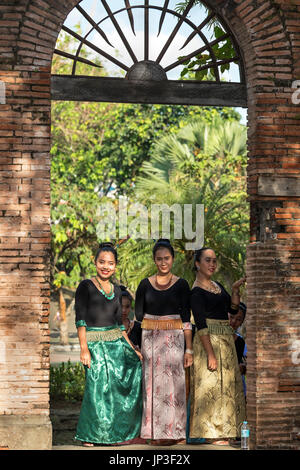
64	417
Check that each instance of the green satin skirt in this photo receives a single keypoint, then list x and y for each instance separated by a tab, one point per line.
111	410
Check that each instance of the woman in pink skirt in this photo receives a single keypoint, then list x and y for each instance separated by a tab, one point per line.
163	305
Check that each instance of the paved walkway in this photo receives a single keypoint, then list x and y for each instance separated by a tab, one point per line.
60	354
175	448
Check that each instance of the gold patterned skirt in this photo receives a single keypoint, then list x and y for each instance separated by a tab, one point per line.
217	399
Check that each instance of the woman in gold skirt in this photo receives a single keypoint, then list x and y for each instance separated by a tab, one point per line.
217	398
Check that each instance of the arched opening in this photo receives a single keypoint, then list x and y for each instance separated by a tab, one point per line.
164	61
267	35
203	68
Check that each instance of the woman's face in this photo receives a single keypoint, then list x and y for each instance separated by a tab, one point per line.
207	264
163	260
126	306
105	265
236	320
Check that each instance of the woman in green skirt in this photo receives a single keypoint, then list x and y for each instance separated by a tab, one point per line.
217	398
111	409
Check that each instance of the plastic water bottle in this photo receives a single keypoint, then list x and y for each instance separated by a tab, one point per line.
245	436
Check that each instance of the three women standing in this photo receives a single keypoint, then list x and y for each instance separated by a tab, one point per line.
113	408
112	404
163	305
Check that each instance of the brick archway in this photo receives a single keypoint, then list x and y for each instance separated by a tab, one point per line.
268	35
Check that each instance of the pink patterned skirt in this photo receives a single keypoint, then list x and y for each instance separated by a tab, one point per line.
164	398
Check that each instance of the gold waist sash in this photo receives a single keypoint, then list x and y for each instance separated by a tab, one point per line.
169	324
106	335
219	327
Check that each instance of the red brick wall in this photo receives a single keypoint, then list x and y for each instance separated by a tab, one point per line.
28	31
273	257
25	233
268	33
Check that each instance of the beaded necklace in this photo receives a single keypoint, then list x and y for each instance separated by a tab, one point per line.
163	286
213	287
111	294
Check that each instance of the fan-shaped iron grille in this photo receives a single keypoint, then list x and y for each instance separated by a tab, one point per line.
191	59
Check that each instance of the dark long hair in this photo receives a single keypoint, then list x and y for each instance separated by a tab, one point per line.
163	243
125	293
107	246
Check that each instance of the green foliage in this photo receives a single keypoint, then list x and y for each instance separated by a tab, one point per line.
221	50
98	150
67	381
102	146
181	6
202	164
73	227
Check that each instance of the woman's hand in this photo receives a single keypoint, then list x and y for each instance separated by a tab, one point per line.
236	286
136	350
85	357
139	355
212	363
188	360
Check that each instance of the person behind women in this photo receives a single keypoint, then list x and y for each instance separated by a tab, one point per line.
162	304
111	409
133	327
217	399
236	322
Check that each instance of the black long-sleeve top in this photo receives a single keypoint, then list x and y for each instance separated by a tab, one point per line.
206	304
92	309
172	301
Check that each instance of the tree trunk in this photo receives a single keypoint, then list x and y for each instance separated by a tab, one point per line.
64	337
